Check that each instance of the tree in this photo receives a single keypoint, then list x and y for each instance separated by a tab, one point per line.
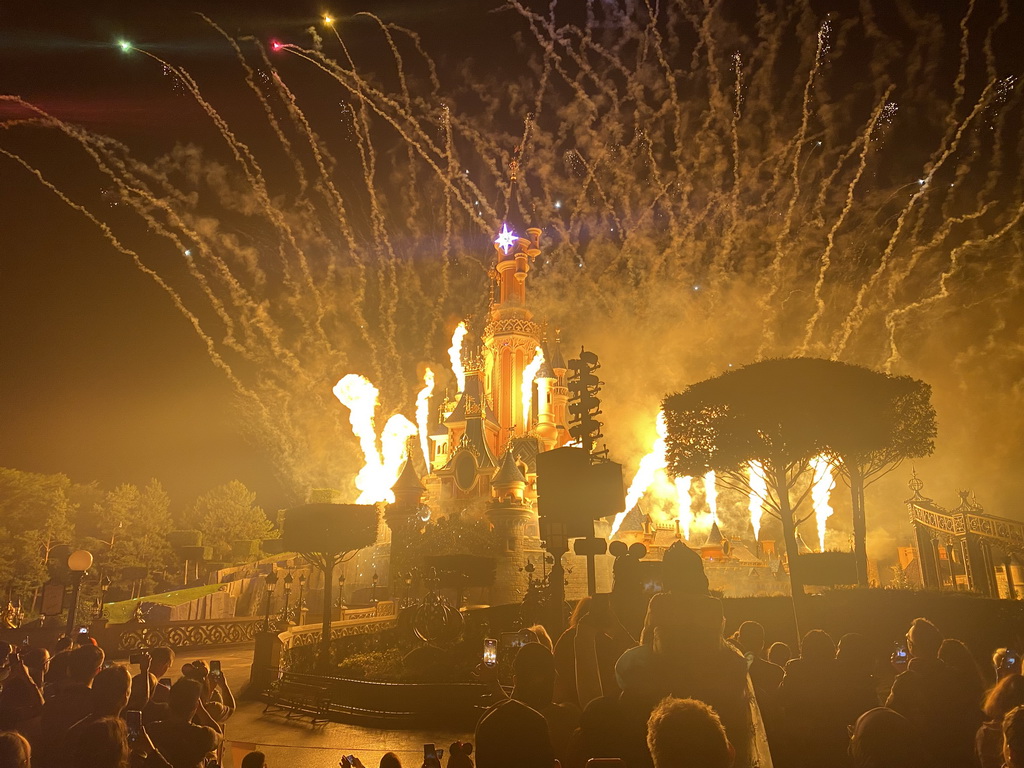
35	518
327	535
773	417
226	514
887	419
128	529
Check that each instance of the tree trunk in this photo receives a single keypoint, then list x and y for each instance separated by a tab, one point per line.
792	548
323	663
860	551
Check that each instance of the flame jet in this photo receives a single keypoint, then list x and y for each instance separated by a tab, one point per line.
382	465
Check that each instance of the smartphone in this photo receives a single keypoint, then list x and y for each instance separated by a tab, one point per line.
138	658
347	760
429	752
215	668
901	652
1011	658
490	652
440	754
133	719
165	682
83	630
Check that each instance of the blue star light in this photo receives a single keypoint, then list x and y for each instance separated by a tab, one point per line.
506	238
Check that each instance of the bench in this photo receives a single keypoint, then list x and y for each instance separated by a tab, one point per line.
299	698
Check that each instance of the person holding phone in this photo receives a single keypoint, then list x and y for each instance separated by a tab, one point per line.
189	735
217	696
153	664
930	695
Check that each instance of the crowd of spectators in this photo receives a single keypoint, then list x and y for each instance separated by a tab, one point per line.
681	695
76	709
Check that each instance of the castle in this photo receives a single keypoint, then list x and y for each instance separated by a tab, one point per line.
483	449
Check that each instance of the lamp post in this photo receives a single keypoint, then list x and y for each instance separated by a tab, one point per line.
287	594
298	605
79	562
341	595
373	589
270	582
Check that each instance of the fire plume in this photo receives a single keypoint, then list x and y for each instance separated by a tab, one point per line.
455	355
381	465
529	374
423	413
649	466
758	495
684	500
711	494
822	484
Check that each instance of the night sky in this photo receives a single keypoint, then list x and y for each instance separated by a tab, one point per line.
104	379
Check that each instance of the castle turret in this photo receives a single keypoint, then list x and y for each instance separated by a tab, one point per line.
511	336
402	515
547	427
515	528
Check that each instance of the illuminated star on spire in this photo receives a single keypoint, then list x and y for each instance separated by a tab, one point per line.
506	238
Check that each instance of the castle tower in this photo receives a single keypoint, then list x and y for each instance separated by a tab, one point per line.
515	527
401	516
547	427
511	336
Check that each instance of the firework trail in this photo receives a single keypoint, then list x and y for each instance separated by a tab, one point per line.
712	190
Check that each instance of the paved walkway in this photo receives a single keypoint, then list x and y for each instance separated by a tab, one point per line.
296	743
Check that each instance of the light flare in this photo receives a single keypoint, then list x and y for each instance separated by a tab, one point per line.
684	500
381	465
455	355
529	374
758	495
711	495
645	472
821	486
423	413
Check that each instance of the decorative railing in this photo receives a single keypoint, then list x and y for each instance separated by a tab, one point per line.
179	634
1007	534
298	642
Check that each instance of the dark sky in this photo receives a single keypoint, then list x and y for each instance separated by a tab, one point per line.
102	378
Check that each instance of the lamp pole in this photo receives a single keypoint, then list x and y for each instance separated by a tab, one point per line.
270	582
373	589
341	594
298	605
287	594
79	562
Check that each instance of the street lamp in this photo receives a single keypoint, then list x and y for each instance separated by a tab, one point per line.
287	594
105	583
270	582
373	590
298	605
79	562
341	592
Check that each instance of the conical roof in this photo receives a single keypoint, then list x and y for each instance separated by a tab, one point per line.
714	535
508	472
553	353
408	480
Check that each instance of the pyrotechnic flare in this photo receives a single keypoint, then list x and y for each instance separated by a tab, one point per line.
423	414
799	226
711	495
529	374
455	355
381	466
758	495
684	500
822	484
649	466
